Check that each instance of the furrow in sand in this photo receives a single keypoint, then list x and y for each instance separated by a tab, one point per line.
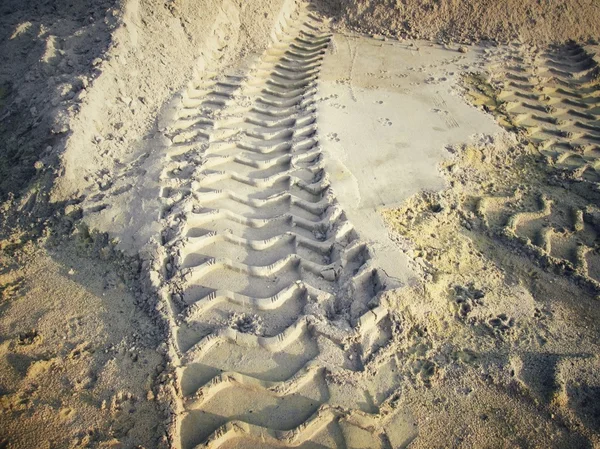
304	391
269	303
211	215
262	261
192	245
559	107
278	388
252	161
209	177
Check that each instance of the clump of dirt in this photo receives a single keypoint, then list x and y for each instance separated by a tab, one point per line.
246	323
529	21
483	94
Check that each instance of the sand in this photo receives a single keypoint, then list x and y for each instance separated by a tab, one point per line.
405	94
529	21
242	225
79	365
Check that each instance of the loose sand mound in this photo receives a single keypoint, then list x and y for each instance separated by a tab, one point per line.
81	86
156	48
466	21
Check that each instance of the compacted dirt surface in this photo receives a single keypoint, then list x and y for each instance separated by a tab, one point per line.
274	224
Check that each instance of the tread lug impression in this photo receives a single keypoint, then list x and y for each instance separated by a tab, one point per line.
269	285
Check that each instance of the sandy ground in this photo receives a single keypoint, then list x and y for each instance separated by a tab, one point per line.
47	49
79	359
486	355
503	331
529	21
237	229
371	84
82	90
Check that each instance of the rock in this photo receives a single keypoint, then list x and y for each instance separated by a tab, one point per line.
61	123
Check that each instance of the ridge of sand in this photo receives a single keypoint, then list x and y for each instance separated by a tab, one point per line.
121	193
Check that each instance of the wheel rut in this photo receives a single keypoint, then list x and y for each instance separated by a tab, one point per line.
274	299
551	97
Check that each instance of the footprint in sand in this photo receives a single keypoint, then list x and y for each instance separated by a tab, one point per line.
333	137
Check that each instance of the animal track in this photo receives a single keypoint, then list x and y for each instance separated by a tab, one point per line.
260	262
29	338
333	137
426	370
9	290
465	299
500	323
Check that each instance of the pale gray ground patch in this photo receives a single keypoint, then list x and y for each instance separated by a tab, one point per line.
393	108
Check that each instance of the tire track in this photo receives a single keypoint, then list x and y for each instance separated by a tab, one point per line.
564	236
279	335
551	97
